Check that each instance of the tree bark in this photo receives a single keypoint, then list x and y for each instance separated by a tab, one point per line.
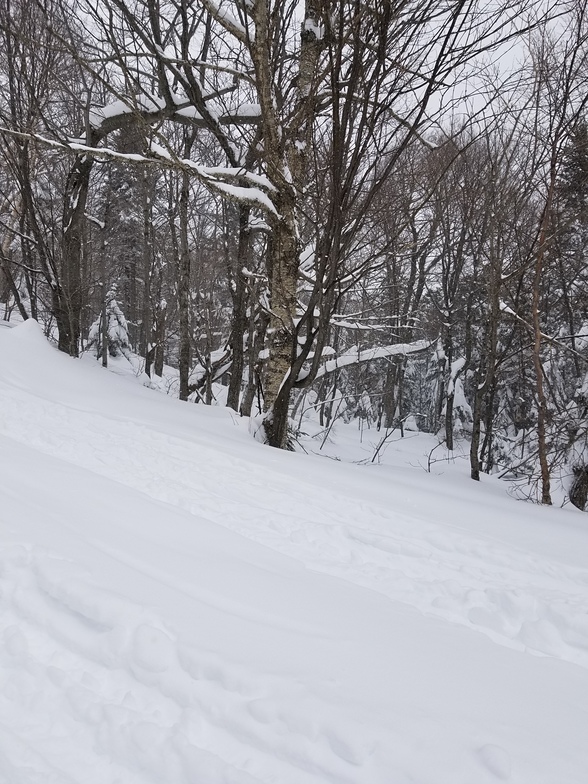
485	379
185	349
542	411
283	286
239	318
69	312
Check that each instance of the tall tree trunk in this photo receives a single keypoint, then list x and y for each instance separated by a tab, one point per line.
476	434
485	378
286	153
542	412
146	320
486	456
256	341
389	398
239	319
104	292
160	340
449	420
283	286
70	298
185	352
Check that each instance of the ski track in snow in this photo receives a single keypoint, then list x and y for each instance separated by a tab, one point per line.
126	689
518	599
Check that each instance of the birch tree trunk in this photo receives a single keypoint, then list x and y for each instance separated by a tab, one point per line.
286	152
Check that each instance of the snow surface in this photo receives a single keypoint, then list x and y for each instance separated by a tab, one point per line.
179	603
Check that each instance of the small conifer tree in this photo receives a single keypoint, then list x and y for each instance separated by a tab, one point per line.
115	332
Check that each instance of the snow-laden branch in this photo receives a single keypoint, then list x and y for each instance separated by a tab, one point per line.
228	173
360	326
218	179
238	194
226	19
150	108
222	179
367	355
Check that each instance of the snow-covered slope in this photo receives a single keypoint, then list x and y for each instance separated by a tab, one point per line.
182	605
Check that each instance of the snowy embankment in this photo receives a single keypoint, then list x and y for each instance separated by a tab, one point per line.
181	605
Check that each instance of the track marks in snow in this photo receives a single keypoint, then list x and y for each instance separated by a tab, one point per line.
496	760
82	665
517	599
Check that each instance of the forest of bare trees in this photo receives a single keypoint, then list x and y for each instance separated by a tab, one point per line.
377	210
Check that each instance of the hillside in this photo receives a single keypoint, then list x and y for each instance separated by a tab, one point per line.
181	604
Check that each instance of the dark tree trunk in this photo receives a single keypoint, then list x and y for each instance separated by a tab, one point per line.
486	456
256	341
485	376
579	488
185	352
146	320
449	421
160	342
476	433
542	411
68	316
239	319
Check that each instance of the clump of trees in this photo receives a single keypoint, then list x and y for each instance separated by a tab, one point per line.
330	204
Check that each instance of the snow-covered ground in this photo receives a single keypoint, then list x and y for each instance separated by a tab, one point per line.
181	605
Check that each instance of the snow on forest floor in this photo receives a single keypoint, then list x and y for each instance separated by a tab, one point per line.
181	605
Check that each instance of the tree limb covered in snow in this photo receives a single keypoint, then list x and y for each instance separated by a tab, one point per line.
367	355
113	116
226	19
215	178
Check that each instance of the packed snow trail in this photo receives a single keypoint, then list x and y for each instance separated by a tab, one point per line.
181	604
